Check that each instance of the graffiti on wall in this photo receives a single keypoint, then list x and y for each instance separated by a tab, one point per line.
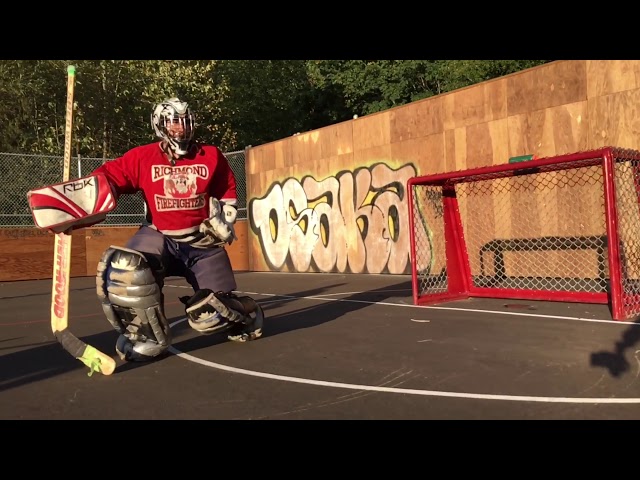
353	222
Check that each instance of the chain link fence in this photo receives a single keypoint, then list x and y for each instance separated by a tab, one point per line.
22	172
547	229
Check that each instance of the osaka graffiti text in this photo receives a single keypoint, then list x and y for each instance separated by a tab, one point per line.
353	222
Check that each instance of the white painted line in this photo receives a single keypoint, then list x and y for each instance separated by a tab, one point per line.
453	309
337	293
404	391
432	307
266	302
349	293
419	321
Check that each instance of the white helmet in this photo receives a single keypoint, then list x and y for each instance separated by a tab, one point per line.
174	112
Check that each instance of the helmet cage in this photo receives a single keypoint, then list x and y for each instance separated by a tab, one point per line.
174	123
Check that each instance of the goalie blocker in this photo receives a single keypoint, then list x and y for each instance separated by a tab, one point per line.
74	204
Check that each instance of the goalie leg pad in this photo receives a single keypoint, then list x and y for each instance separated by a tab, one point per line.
132	301
251	327
209	312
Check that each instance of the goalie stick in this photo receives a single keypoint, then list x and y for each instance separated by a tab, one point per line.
93	358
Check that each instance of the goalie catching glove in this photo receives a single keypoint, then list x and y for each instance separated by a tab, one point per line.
219	225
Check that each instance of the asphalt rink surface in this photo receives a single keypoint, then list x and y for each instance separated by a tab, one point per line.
335	347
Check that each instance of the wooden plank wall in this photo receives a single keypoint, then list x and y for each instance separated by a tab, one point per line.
27	253
553	109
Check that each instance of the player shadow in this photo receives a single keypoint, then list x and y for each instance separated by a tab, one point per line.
331	308
48	359
334	307
42	361
615	361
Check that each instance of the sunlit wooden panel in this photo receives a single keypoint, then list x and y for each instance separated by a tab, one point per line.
615	120
340	163
336	140
549	85
306	147
611	76
475	104
261	158
487	144
416	120
27	254
365	157
426	154
238	250
455	149
549	132
371	131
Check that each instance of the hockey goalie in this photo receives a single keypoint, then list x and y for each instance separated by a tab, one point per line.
190	192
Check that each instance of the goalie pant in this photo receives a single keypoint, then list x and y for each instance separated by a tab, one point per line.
212	308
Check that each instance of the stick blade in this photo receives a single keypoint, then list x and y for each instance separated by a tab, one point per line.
93	358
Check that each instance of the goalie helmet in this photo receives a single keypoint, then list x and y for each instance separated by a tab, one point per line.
174	123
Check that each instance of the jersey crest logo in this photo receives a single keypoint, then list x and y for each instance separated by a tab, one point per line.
180	186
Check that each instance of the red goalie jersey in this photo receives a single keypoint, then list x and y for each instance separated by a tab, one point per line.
177	195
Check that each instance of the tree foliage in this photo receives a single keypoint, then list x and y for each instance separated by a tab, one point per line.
237	102
370	86
266	99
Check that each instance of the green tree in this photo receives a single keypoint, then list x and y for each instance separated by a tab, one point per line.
32	106
266	99
237	102
369	86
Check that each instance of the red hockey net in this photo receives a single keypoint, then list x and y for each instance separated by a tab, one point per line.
563	228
